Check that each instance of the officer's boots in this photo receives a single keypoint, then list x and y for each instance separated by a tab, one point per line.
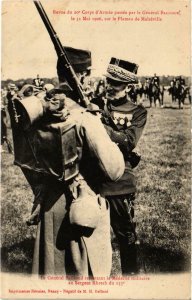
128	256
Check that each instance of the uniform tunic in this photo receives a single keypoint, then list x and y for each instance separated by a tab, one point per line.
124	122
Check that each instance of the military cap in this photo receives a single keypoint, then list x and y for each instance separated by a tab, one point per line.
122	71
79	59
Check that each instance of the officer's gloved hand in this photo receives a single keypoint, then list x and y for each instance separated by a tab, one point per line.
109	130
119	138
34	218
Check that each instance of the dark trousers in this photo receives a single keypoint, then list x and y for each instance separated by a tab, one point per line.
122	214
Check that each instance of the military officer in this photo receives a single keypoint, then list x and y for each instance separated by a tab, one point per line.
124	122
156	80
181	80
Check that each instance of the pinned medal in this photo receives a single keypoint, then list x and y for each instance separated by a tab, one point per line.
122	118
122	121
115	121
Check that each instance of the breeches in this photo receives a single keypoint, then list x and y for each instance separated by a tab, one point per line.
121	215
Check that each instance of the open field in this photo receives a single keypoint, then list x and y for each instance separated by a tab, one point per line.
163	200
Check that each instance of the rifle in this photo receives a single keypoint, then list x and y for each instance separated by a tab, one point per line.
61	53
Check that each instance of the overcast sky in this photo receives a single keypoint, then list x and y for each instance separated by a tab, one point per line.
161	47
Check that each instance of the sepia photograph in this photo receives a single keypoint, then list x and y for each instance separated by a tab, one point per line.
96	149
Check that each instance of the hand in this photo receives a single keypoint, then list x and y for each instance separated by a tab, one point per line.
93	108
108	129
61	115
34	218
56	104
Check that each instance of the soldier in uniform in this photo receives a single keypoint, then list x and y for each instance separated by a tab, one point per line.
3	119
132	94
50	153
124	122
181	81
38	82
156	80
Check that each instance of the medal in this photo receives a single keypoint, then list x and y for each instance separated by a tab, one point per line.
122	121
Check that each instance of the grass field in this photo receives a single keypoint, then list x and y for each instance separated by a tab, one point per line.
163	199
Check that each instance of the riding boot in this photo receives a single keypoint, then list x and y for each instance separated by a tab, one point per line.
128	256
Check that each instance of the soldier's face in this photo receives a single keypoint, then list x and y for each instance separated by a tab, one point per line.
115	89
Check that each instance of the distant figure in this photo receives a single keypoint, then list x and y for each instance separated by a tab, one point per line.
156	80
140	90
172	89
154	91
99	95
189	91
4	121
100	89
12	90
132	93
177	90
146	88
181	80
162	90
38	82
88	90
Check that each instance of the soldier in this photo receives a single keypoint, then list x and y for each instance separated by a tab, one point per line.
50	146
38	82
132	93
156	80
3	119
124	122
181	80
99	95
88	90
12	90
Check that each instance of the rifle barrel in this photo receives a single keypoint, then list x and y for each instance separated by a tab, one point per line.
61	52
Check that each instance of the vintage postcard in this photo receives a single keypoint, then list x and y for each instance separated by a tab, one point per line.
95	149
